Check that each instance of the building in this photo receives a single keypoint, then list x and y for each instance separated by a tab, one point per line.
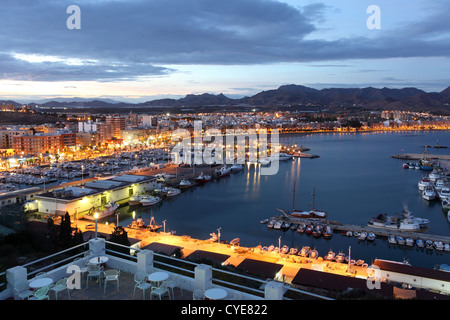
117	124
149	121
43	143
6	136
94	194
100	132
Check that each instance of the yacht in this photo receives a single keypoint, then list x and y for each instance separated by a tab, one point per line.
109	210
236	167
434	175
409	242
203	178
439	184
185	183
264	161
224	171
429	193
392	239
444	193
401	240
171	192
423	183
404	222
135	199
149	200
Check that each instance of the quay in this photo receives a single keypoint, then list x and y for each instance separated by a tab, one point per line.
379	232
419	156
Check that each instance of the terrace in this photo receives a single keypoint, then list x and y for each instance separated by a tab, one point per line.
190	276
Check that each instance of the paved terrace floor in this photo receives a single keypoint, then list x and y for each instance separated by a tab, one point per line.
126	288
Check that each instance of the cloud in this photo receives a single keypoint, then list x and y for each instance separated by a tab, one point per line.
133	38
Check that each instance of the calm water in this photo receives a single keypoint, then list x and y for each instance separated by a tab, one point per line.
355	178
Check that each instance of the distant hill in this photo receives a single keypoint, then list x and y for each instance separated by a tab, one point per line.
370	98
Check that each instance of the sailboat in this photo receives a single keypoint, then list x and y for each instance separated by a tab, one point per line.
304	214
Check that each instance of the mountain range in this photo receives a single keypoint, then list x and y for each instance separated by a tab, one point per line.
369	98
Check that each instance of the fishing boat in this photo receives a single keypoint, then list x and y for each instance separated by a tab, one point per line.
313	254
309	229
425	163
304	251
406	221
100	213
423	183
330	256
438	185
420	243
294	226
214	237
185	183
135	199
149	200
222	172
270	248
400	240
434	175
317	231
285	225
429	193
328	232
438	245
202	178
444	193
447	247
362	236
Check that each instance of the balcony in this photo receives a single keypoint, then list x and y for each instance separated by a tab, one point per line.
129	260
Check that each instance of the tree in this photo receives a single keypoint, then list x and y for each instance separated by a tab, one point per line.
65	232
120	236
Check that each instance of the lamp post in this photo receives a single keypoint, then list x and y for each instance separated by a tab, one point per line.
279	245
96	217
164	226
82	171
117	215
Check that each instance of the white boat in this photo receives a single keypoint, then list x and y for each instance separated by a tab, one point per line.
106	212
447	247
135	199
330	256
420	243
434	175
149	200
439	184
235	242
313	254
444	193
409	242
185	183
438	245
203	178
423	183
214	237
392	239
264	161
271	224
401	240
280	157
284	249
237	167
362	236
270	248
224	171
429	193
171	192
371	236
264	221
305	251
277	225
429	244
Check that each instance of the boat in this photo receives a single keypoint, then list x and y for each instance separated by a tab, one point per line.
313	213
438	185
406	221
301	228
317	231
202	178
444	193
285	225
271	223
171	192
392	239
362	236
264	221
400	240
330	256
149	200
447	247
270	248
423	183
140	224
429	193
438	245
235	242
359	262
222	172
214	237
340	257
446	206
264	161
304	251
309	229
284	249
293	251
327	232
429	245
185	183
313	254
277	224
237	167
409	242
420	243
434	175
135	199
294	227
425	163
99	213
371	236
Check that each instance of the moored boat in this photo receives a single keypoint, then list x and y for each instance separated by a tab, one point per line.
223	171
423	183
330	256
202	178
429	193
392	239
149	200
237	167
313	254
328	232
304	251
100	213
420	243
362	236
185	183
135	199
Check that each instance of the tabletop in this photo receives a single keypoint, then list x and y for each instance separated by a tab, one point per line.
215	294
97	260
40	282
158	276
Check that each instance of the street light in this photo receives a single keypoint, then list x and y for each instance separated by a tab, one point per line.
96	217
164	224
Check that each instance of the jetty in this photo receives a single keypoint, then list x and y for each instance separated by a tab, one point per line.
419	156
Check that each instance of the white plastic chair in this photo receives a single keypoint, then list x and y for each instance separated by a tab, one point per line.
160	291
22	290
94	271
140	280
111	275
60	286
172	283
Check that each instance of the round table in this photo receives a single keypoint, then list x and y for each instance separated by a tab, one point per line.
158	277
40	282
215	294
99	260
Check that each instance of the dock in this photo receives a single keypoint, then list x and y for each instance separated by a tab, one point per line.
419	156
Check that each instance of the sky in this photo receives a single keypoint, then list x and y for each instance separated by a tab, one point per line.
140	50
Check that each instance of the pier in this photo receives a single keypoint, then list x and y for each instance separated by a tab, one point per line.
419	156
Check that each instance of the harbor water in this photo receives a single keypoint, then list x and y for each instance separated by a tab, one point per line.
355	178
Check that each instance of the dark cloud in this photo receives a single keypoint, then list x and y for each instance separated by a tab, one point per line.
131	38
